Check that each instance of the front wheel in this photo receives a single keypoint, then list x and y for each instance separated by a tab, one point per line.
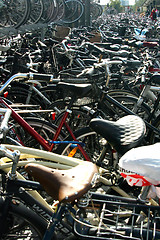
22	223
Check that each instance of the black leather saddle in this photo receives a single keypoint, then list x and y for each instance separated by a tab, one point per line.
79	90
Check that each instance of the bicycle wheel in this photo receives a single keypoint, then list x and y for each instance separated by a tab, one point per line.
154	137
22	223
60	11
73	11
53	12
44	128
92	144
51	92
114	112
96	10
20	93
37	7
15	13
121	92
77	118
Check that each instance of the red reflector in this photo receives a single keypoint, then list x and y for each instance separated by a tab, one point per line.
6	94
53	115
141	87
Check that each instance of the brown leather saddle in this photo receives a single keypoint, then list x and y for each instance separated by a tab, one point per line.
64	185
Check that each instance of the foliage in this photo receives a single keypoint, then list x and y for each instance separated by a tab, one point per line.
116	4
139	3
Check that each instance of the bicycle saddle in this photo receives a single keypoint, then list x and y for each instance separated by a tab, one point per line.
123	134
64	185
80	90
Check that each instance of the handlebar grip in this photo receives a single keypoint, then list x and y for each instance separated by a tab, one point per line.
41	77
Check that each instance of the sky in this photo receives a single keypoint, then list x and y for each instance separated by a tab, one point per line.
104	2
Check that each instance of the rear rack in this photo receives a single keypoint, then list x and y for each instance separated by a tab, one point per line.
110	217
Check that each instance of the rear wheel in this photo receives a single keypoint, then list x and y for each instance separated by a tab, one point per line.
20	93
43	128
73	11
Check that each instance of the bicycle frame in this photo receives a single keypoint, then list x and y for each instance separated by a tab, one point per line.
44	143
56	161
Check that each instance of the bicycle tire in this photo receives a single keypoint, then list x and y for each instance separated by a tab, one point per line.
96	10
55	11
121	92
92	144
17	17
77	118
154	137
61	11
48	10
71	17
22	223
37	7
43	127
19	92
51	92
129	102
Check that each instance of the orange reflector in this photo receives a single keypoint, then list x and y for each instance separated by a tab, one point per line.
73	152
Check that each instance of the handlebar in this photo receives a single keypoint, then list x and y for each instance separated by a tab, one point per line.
105	63
30	76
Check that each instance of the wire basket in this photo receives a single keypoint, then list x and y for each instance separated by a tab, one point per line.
110	217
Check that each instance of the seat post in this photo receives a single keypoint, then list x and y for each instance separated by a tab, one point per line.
73	99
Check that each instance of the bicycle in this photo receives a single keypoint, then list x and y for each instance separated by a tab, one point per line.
45	143
122	223
106	106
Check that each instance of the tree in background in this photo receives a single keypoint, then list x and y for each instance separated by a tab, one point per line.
116	4
138	4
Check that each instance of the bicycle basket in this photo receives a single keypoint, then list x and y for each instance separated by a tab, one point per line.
112	217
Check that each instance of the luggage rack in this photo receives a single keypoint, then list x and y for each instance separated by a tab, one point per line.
119	218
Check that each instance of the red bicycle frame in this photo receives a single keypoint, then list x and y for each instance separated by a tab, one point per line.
44	143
